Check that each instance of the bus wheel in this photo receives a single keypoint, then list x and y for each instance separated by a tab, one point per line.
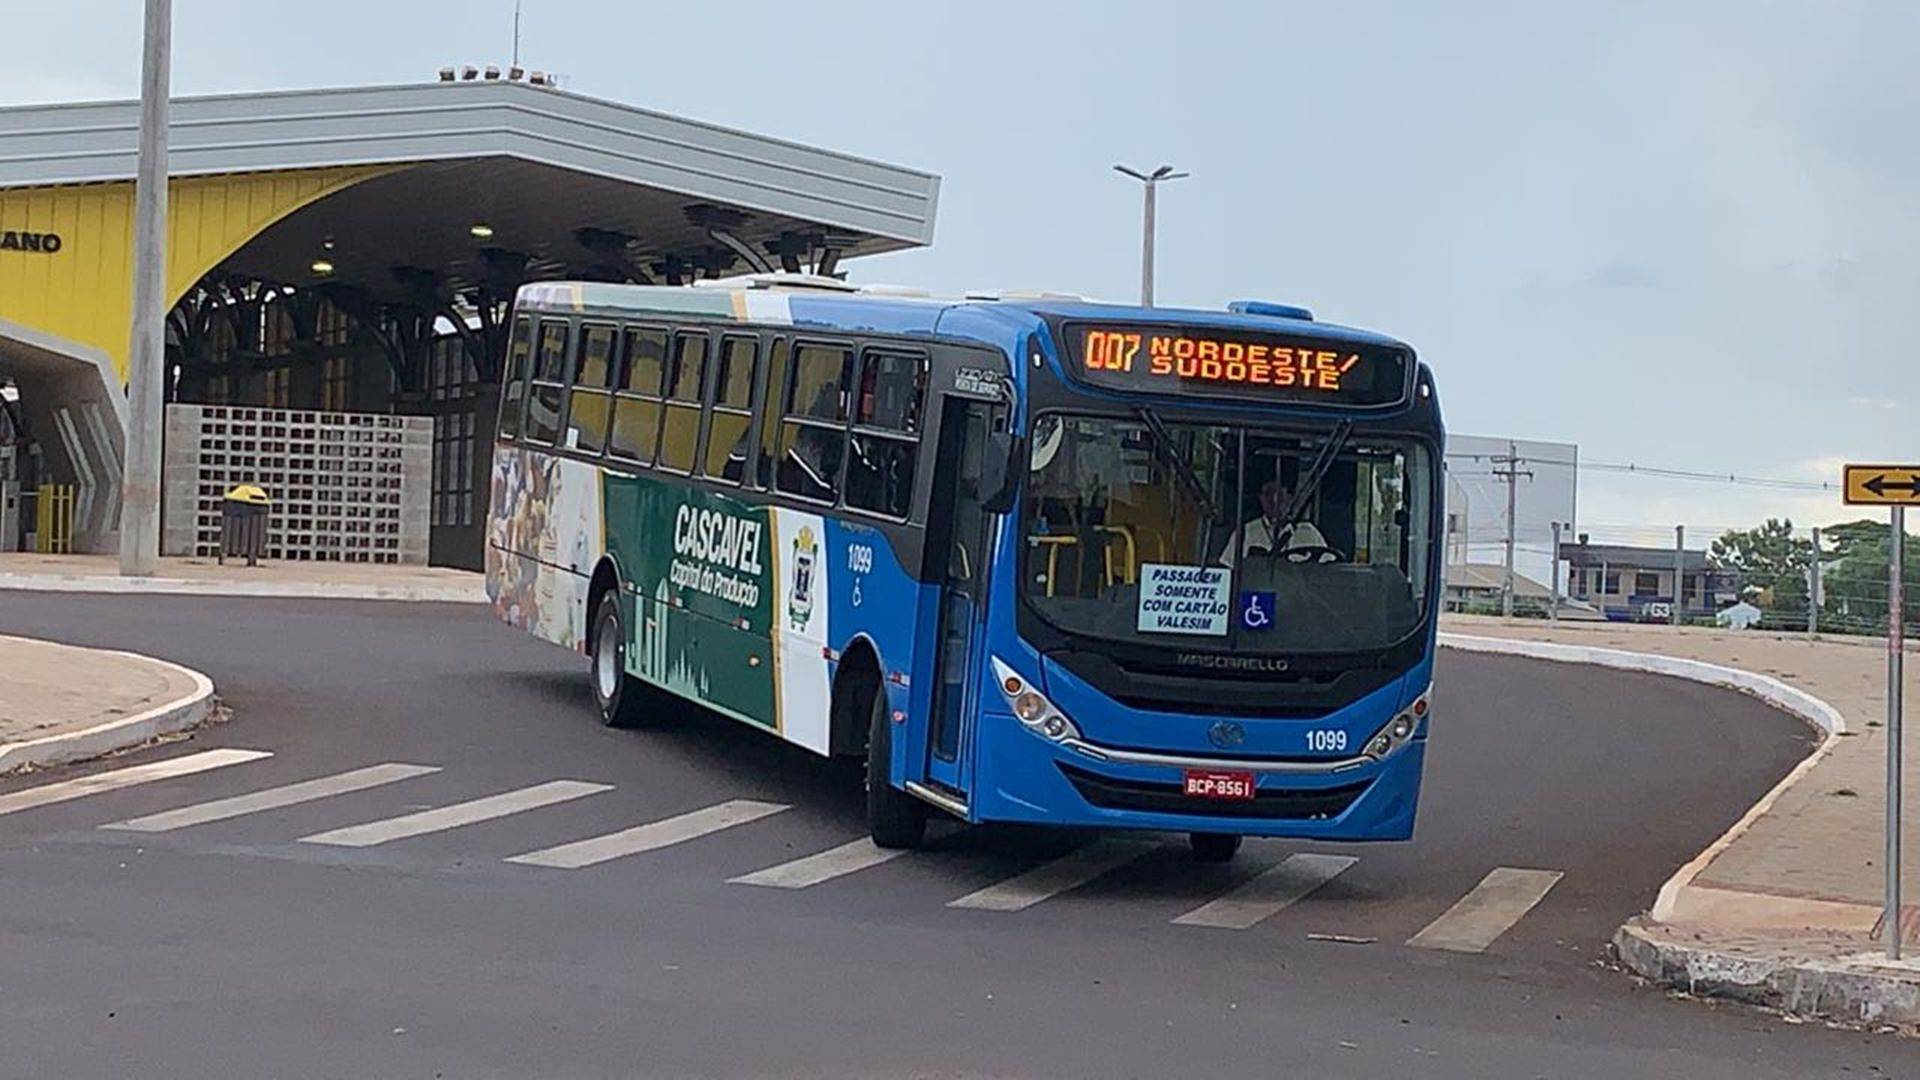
618	694
1213	846
895	818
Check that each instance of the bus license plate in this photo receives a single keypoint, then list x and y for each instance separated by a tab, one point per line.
1209	784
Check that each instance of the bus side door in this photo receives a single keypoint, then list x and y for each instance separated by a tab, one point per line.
960	533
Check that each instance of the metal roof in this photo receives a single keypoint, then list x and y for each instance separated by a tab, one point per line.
97	141
1625	556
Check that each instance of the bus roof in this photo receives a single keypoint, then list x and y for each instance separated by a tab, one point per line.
828	303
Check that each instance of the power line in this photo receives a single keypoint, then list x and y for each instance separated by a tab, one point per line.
1661	472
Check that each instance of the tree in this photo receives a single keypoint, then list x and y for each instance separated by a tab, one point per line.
1854	585
1772	565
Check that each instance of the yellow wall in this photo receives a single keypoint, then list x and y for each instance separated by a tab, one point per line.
84	292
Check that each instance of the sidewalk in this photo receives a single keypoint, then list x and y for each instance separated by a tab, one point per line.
1784	909
64	703
205	577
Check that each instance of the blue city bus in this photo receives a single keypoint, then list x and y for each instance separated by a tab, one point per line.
1035	559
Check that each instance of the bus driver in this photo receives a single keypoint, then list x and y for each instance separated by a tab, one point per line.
1258	535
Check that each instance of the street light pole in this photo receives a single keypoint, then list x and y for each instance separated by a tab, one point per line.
1151	183
147	355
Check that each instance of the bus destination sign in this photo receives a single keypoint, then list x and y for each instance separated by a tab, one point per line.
1235	364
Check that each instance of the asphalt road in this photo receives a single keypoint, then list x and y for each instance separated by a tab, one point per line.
233	948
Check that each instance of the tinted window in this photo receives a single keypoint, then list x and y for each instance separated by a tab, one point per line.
514	391
880	474
680	430
734	387
551	366
645	361
890	386
689	368
548	391
810	457
778	362
590	408
730	428
596	356
820	382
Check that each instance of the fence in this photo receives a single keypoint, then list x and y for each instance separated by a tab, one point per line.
1771	575
346	487
53	519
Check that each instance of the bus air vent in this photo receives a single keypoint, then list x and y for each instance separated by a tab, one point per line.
1265	307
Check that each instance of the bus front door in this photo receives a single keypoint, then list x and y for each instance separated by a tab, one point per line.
967	537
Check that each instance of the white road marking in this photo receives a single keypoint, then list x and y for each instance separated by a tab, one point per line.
274	798
114	779
452	817
1067	872
822	866
1263	896
648	837
1501	899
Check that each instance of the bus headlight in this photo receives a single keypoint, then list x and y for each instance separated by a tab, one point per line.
1031	707
1398	730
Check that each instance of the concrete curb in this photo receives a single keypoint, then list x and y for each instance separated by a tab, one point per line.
449	594
1778	973
117	734
1849	990
1780	695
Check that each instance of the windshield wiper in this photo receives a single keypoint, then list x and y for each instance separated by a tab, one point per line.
1316	472
1183	469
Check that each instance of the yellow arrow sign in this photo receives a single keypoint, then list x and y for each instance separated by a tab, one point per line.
1882	485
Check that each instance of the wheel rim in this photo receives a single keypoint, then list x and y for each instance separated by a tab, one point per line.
606	661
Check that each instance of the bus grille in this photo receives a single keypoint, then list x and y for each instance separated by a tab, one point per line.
1109	793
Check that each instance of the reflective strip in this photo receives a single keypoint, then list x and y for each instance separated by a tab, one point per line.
823	866
114	779
1501	899
274	798
1265	895
451	817
654	834
1068	872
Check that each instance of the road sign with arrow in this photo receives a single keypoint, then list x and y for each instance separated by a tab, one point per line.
1882	485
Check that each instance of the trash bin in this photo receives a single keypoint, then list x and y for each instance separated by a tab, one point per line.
243	523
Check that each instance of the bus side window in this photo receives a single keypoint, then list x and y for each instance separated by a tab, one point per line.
813	437
680	432
513	395
732	421
550	375
638	384
886	433
771	400
590	406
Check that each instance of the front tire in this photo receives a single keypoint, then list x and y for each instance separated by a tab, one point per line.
894	818
618	695
1213	847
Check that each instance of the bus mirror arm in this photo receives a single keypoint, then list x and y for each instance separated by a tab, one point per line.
1000	472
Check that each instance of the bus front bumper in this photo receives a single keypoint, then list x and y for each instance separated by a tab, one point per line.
1034	781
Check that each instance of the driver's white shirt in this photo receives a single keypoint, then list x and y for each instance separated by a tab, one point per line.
1258	535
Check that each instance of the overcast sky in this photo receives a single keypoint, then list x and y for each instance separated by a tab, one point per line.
1677	234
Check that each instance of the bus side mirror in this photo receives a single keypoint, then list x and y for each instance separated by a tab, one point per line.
999	471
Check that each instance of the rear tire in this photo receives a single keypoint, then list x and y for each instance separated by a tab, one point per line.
894	818
1213	847
619	696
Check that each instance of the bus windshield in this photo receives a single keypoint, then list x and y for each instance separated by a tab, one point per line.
1210	536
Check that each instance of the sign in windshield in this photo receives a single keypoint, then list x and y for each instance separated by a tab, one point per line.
1237	364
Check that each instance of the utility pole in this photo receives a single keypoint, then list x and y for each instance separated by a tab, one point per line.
147	355
1896	687
1679	572
1512	474
1553	612
516	33
1151	182
1813	588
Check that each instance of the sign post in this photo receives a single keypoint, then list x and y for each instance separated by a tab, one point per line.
1896	486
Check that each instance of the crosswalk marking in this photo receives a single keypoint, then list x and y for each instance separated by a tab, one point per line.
1258	899
1070	871
821	866
114	779
1501	899
452	817
274	798
654	834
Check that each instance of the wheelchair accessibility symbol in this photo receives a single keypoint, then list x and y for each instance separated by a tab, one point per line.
1256	610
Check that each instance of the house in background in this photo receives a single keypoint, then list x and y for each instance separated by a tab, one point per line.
1476	587
1635	584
